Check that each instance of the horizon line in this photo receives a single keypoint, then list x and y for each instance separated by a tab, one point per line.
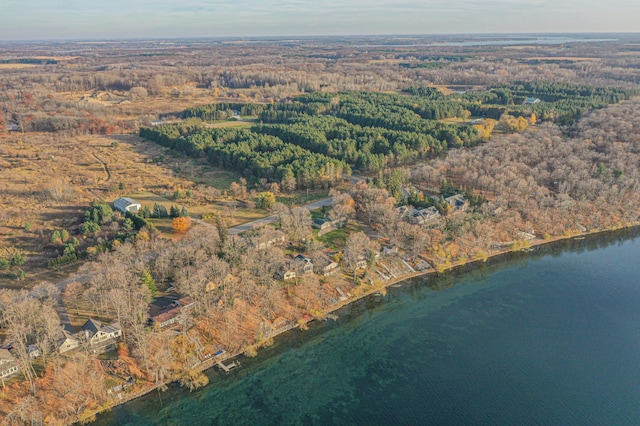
311	37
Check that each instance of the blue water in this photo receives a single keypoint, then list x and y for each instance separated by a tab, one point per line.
550	337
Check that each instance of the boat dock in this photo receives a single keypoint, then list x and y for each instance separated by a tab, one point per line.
229	367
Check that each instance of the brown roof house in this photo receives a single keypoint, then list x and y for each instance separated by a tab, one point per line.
171	315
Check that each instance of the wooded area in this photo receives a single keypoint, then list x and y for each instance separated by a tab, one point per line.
464	151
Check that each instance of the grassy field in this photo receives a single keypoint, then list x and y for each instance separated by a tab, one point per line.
337	239
83	168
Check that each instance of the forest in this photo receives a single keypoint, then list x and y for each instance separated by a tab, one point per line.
366	131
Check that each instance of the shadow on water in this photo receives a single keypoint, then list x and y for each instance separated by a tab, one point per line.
351	319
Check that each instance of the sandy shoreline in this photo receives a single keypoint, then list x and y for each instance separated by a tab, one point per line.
209	363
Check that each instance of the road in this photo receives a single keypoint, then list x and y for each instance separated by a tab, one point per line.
270	219
83	279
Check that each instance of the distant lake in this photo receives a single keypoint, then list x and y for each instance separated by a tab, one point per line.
498	41
549	337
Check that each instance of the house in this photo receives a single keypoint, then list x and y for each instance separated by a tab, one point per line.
267	239
361	263
96	332
457	202
388	250
172	314
322	223
166	318
126	204
33	351
424	216
157	123
286	272
8	365
303	264
531	101
405	212
67	342
328	223
325	266
184	302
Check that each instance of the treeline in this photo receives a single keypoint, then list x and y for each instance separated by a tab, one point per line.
258	155
560	102
366	130
222	111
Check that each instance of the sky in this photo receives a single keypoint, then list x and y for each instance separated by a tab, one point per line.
100	19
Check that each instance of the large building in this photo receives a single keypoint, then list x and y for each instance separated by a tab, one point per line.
125	205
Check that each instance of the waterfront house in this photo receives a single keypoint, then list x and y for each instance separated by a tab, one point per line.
286	271
303	264
325	266
98	333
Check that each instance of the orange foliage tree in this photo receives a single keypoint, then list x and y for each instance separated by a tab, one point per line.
181	224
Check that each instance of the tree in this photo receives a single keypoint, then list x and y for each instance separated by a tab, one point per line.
279	210
297	224
181	224
357	250
266	200
17	260
159	211
149	282
73	295
89	228
174	211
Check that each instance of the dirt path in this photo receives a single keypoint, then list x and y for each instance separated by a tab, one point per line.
105	166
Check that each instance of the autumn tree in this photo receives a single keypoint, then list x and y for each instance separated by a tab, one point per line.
181	224
357	251
297	223
266	200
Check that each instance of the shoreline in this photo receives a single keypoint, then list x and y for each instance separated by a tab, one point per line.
211	362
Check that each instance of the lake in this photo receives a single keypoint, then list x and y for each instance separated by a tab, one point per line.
548	337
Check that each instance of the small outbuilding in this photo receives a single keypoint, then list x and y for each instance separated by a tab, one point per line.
126	204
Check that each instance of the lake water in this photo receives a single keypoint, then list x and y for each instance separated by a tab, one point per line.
549	337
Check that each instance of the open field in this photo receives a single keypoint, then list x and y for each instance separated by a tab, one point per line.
563	58
47	182
16	66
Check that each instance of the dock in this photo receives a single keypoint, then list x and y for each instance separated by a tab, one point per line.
229	367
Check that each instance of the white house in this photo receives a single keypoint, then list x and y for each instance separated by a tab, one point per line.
126	204
8	365
97	332
67	342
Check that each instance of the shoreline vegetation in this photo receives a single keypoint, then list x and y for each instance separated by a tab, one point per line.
251	350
